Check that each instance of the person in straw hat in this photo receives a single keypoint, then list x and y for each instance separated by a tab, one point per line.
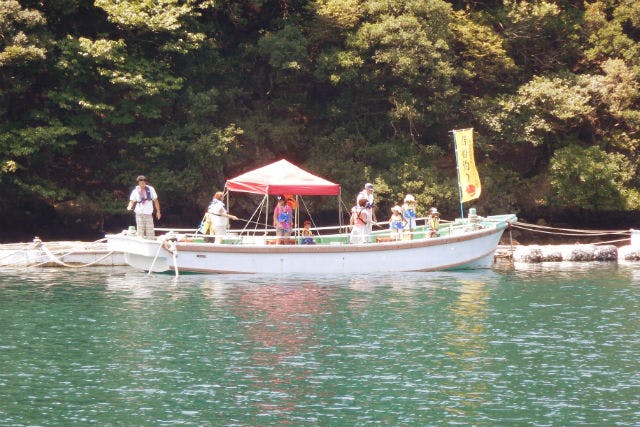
433	222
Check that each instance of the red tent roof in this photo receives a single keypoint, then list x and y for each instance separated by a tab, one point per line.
282	177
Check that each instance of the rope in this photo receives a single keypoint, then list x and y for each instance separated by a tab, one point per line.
37	243
567	231
12	253
611	241
594	232
62	263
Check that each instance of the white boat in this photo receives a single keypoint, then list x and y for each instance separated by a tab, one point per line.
463	243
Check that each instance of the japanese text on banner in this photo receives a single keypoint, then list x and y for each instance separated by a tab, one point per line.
467	172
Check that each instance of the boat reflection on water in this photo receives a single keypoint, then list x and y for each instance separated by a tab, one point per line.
280	323
466	344
139	286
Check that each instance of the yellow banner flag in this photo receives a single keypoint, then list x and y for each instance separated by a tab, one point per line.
469	180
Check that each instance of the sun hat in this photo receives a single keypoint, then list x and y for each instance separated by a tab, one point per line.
433	210
396	208
409	198
141	178
368	186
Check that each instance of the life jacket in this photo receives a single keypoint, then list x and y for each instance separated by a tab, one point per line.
396	224
434	222
142	196
284	215
358	217
409	214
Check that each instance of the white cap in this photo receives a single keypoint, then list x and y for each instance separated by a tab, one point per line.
409	198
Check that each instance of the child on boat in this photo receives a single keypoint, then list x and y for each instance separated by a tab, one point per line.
307	235
396	222
409	215
433	222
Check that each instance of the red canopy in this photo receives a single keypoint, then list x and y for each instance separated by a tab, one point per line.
282	177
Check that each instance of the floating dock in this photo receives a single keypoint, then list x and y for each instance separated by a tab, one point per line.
574	253
72	254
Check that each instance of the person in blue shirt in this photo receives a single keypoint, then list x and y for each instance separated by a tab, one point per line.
282	218
409	214
307	235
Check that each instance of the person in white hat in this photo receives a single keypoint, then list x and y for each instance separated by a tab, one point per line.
367	194
144	198
396	222
409	214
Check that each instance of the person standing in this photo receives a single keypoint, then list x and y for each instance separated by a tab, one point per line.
367	194
218	217
360	219
409	214
282	217
433	222
396	222
144	198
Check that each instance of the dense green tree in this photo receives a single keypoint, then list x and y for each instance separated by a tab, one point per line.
591	179
191	92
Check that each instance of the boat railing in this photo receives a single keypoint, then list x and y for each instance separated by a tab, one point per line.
340	234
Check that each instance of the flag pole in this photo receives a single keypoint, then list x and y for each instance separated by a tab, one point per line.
455	153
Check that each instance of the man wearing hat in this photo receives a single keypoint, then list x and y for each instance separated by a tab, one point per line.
367	193
144	197
409	214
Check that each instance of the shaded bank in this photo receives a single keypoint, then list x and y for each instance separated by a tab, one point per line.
75	221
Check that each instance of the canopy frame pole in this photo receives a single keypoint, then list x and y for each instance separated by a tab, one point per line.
266	211
297	218
340	210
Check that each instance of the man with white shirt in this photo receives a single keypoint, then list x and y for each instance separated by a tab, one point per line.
144	198
218	217
367	193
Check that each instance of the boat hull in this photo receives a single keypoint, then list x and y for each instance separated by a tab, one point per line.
469	249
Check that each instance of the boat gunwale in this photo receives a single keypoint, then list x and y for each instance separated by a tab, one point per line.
440	267
336	248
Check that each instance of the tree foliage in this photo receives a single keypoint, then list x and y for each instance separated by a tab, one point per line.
191	92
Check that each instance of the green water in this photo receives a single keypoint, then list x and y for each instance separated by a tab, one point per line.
545	346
